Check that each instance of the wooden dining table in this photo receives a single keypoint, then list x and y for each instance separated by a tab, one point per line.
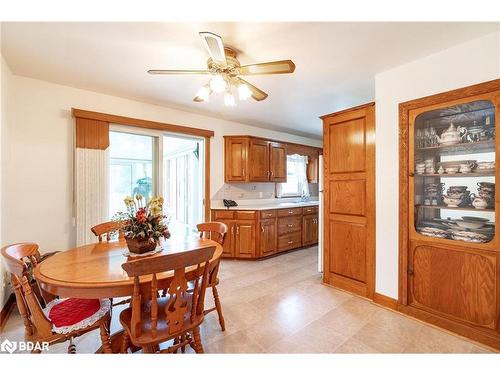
94	271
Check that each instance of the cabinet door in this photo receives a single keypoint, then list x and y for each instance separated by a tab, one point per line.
277	162
268	237
309	229
259	160
236	159
244	244
228	246
459	284
313	169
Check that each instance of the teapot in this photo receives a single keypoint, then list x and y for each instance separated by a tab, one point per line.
479	202
452	135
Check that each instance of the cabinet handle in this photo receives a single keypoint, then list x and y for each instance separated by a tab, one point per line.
262	228
290	212
290	242
290	225
410	272
237	229
411	174
243	171
232	230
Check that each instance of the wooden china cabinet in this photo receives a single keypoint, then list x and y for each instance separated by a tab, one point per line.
449	241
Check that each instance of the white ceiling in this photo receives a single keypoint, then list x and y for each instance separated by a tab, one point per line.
335	62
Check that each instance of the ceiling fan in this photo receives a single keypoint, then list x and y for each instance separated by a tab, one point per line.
226	72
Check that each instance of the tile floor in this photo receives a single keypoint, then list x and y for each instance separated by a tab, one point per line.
279	305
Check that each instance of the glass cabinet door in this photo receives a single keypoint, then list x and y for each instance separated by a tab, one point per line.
454	175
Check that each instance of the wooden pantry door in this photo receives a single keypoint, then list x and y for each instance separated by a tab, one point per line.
349	191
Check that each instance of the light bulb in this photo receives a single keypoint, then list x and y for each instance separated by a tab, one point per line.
244	92
229	99
203	94
217	84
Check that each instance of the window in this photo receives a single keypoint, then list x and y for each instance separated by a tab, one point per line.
296	184
131	167
150	162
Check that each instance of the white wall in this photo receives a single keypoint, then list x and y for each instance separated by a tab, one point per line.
463	65
39	157
5	77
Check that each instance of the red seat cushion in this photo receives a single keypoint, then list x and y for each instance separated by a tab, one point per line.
73	310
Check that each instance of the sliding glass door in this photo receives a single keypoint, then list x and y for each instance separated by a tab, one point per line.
152	163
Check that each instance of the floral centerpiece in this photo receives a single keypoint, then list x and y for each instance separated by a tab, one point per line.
143	224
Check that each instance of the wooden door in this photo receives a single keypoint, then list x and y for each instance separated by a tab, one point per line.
259	160
349	154
236	159
244	244
309	229
268	237
459	284
277	162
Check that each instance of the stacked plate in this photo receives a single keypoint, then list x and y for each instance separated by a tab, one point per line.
469	236
433	232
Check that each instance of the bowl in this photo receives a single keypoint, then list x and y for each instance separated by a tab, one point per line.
469	224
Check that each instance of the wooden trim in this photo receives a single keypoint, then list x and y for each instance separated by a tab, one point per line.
208	203
311	149
347	110
385	301
122	120
7	310
91	134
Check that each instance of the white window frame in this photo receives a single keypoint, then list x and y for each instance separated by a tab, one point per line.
158	178
279	186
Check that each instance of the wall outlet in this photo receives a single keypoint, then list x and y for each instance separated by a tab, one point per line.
261	194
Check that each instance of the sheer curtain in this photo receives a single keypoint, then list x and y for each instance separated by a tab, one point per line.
296	184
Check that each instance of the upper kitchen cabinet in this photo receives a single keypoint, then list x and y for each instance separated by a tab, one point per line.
252	159
236	159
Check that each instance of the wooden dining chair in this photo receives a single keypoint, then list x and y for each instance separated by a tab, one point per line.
106	230
216	231
61	319
151	320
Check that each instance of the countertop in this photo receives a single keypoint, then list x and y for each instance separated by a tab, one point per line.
267	205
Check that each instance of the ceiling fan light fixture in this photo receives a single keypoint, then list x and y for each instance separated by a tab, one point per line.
218	84
244	92
229	99
204	93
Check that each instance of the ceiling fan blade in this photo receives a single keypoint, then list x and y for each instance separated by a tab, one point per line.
272	67
257	93
215	47
161	71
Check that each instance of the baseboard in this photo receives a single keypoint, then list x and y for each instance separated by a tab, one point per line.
6	310
385	301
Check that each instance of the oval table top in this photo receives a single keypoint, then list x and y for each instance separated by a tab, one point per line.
94	271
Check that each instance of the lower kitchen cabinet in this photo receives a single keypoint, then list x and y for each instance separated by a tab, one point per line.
268	237
310	229
244	239
256	234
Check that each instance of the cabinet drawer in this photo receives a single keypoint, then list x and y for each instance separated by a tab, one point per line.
222	214
267	214
289	241
289	224
290	212
310	210
246	215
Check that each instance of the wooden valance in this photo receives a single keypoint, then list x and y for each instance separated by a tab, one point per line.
122	120
92	134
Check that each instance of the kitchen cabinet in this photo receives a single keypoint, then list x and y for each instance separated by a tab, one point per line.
254	234
268	237
309	229
253	159
236	159
449	242
277	162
